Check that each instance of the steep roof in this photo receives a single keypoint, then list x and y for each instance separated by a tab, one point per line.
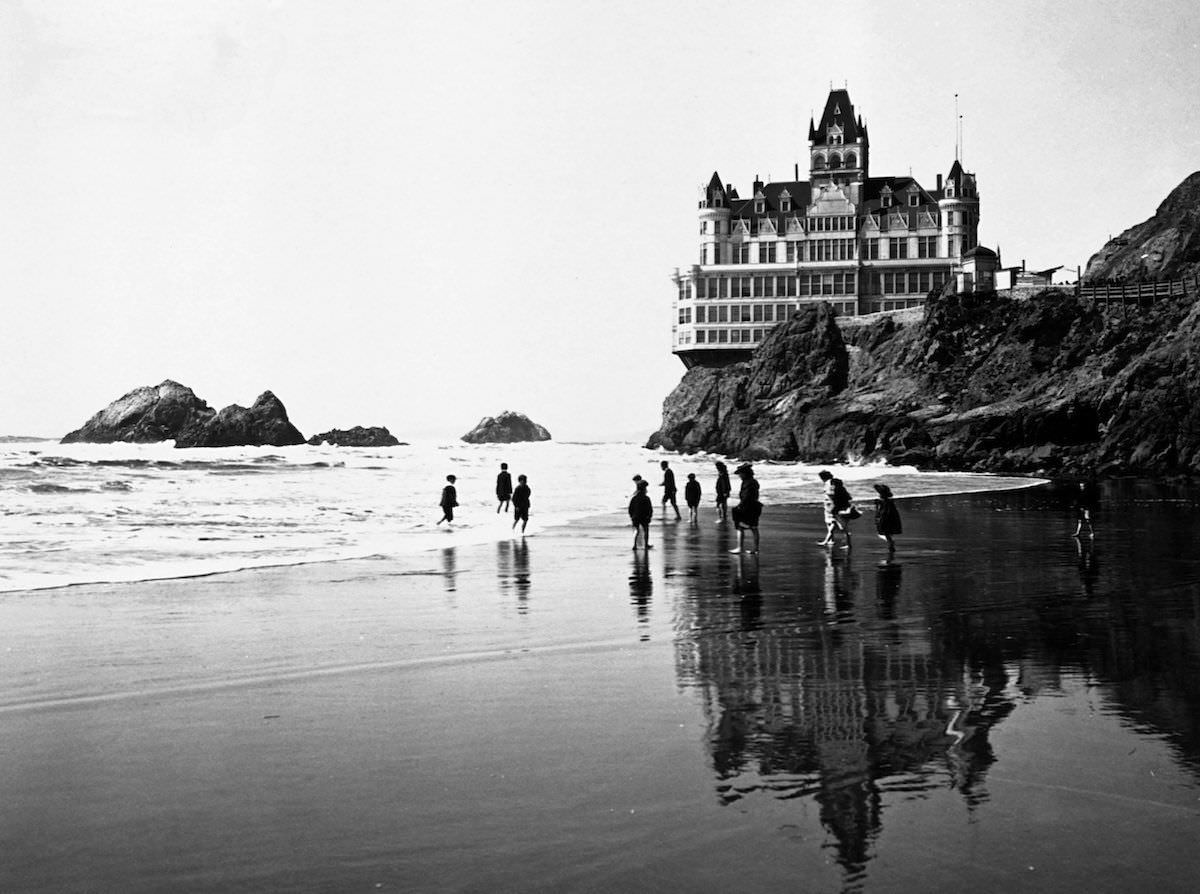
840	111
800	192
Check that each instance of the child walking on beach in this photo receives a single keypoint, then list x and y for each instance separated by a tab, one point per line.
887	516
641	510
724	488
504	488
691	493
520	503
449	500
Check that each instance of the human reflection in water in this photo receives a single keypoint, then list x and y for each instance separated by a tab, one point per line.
512	569
641	588
450	568
887	588
1089	571
840	583
746	587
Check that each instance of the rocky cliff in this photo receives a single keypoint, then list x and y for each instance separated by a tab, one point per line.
980	382
507	428
1167	246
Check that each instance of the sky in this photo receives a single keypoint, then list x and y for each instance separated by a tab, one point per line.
420	214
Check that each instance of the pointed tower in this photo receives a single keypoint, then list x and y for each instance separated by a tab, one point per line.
838	147
959	207
714	221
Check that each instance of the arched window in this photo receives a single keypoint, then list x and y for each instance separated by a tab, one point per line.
835	160
818	162
851	160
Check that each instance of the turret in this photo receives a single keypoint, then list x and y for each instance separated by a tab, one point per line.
959	207
714	220
838	146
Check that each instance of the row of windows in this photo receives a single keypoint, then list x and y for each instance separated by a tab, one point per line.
898	248
789	286
849	160
804	285
916	281
824	223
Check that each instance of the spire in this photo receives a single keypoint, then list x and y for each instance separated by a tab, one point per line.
839	112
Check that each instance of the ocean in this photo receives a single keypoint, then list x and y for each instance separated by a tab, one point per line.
108	513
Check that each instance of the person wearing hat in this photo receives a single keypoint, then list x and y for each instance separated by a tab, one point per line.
748	510
641	510
887	516
449	500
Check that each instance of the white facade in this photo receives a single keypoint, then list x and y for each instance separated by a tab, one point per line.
864	244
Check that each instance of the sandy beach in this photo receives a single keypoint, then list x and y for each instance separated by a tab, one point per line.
999	707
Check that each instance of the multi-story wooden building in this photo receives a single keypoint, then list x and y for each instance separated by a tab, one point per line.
864	244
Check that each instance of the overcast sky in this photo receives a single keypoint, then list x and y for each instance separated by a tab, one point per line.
415	214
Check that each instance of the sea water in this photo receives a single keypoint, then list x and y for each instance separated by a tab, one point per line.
91	513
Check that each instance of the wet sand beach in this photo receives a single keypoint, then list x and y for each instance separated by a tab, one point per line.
997	707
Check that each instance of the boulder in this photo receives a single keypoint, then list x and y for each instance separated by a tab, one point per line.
358	436
264	423
144	415
507	428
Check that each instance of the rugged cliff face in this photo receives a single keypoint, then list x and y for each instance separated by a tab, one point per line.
980	383
171	411
144	415
1167	246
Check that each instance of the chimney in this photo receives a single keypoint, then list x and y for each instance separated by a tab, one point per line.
939	189
797	175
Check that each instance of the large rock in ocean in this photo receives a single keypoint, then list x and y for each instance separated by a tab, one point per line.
265	423
376	436
144	415
507	428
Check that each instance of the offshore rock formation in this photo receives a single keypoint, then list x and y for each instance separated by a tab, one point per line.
981	383
171	411
1054	384
1167	246
144	415
375	436
264	423
507	428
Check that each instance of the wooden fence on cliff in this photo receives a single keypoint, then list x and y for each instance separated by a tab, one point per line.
1137	294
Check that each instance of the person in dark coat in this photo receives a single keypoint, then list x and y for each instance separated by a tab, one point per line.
724	489
748	510
449	500
691	495
504	488
887	516
520	503
641	510
669	490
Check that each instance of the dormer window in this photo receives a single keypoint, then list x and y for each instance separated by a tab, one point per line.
949	190
759	206
913	200
786	205
885	199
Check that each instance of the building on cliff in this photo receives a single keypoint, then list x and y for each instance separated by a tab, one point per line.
865	244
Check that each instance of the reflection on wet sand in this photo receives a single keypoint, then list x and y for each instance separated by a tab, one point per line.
450	569
815	689
512	570
641	588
